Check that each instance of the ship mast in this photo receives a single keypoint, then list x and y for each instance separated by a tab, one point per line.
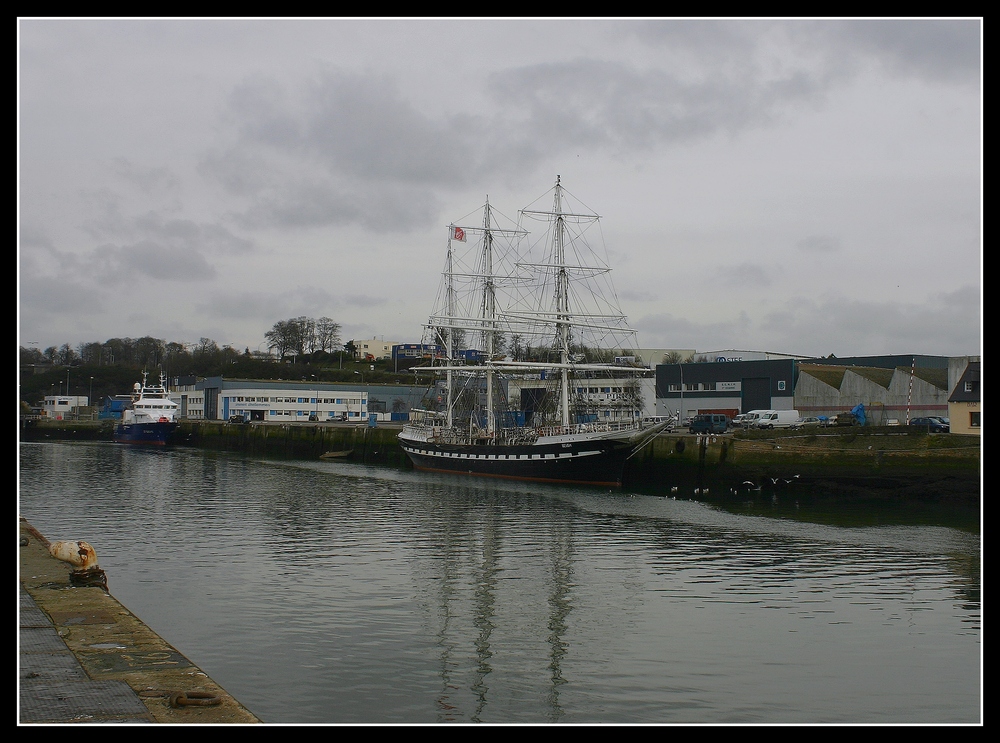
489	314
562	300
450	302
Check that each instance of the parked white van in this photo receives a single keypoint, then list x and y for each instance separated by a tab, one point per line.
751	418
653	420
777	418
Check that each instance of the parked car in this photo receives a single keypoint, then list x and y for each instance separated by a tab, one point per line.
709	423
846	419
809	420
652	420
737	421
237	419
933	425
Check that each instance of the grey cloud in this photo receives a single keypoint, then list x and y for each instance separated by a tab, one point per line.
269	307
818	244
833	325
931	48
352	151
150	180
241	171
363	300
382	209
62	302
185	234
365	128
264	306
45	297
670	331
706	36
105	207
259	108
745	274
322	145
846	327
593	102
638	296
151	260
359	126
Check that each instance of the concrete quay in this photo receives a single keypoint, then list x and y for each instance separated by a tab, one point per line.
85	658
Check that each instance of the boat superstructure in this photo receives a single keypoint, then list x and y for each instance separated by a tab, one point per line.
151	416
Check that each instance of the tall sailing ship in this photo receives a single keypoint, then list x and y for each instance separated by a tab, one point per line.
552	391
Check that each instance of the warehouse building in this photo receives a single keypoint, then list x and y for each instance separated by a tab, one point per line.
893	388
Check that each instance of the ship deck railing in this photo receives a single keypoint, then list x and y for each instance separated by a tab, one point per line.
576	428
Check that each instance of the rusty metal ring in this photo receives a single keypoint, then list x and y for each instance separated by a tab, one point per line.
193	699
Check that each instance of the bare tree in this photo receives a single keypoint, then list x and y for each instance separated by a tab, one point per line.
90	353
66	354
327	334
149	352
293	336
206	347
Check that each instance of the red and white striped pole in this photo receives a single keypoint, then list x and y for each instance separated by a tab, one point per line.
909	395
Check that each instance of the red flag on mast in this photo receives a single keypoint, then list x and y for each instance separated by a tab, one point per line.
457	233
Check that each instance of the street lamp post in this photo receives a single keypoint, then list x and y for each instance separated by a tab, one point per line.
316	398
680	415
90	399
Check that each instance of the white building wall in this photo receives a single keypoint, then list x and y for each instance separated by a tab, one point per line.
296	405
727	355
190	401
378	348
59	407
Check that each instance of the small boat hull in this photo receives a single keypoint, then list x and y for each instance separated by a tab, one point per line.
600	462
148	434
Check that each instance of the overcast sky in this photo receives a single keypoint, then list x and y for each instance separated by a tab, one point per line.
799	186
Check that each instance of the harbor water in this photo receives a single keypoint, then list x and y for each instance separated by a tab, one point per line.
330	592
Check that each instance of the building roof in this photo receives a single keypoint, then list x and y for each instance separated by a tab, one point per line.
833	375
971	375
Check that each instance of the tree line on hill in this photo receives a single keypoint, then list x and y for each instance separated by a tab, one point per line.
308	348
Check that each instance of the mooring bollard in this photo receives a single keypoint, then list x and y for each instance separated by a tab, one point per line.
84	557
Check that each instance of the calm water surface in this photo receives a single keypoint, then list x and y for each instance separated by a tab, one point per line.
322	592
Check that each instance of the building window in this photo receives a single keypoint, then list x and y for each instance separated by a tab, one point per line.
974	419
968	386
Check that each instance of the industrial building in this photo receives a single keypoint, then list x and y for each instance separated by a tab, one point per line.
893	388
217	398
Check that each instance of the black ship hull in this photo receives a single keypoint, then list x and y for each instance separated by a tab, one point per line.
593	462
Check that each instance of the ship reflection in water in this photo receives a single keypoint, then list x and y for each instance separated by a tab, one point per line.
326	592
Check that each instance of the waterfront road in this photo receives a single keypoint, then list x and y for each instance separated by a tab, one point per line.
85	658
